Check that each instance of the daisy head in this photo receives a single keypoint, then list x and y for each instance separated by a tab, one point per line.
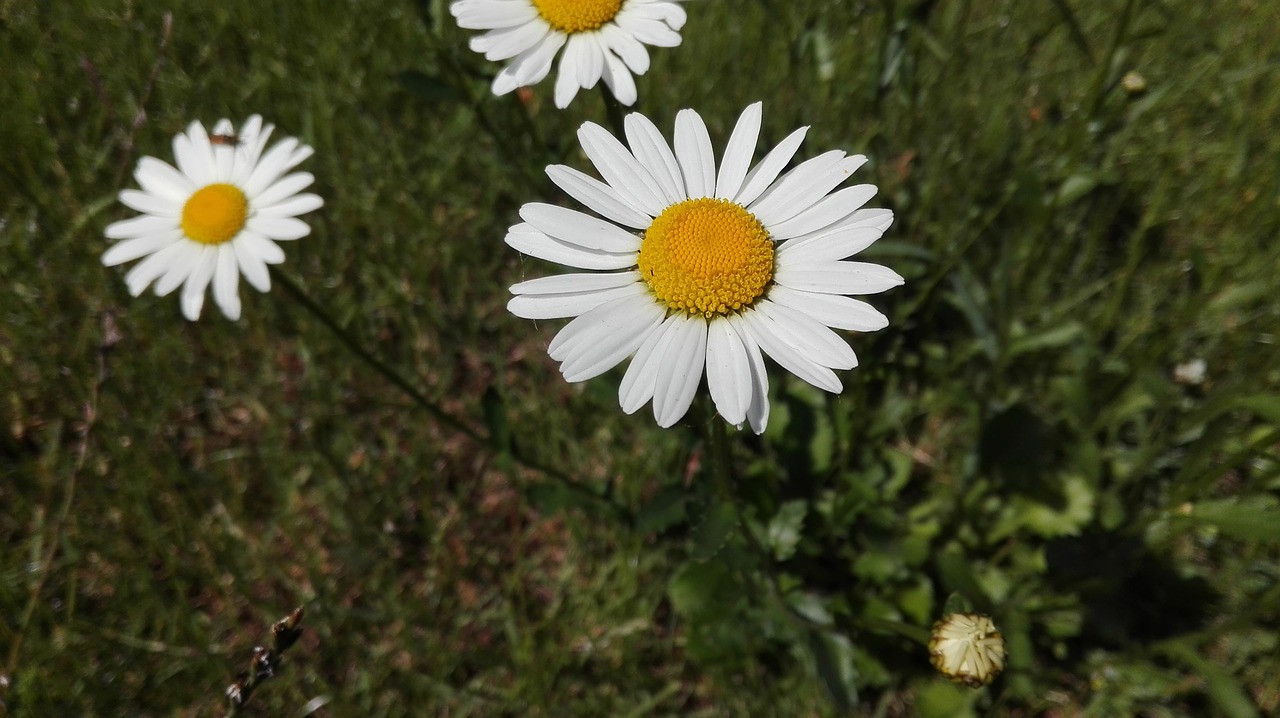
697	270
214	217
601	39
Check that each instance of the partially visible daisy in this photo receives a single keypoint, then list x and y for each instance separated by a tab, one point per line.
216	216
727	266
601	39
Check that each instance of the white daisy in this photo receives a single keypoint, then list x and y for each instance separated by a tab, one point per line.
601	38
726	266
216	216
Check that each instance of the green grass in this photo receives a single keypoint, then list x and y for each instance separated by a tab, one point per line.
1015	437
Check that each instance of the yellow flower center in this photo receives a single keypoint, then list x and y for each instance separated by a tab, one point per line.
215	214
706	256
570	16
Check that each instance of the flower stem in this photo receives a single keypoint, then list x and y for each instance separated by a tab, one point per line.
374	362
617	510
615	111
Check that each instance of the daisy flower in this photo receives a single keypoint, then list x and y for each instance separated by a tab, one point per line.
601	39
726	266
216	216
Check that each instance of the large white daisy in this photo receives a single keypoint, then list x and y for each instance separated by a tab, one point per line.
216	216
601	39
725	266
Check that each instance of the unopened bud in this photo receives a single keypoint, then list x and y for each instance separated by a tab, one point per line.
967	648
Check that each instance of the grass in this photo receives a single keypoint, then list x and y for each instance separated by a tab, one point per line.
1015	438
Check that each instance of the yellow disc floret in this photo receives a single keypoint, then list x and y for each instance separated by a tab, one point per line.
570	16
706	256
215	214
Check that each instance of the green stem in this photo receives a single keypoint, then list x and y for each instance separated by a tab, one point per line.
351	342
615	111
374	362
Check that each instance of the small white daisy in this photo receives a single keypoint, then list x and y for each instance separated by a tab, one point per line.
216	216
601	39
967	648
725	266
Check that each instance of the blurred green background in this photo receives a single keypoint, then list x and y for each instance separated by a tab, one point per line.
1071	423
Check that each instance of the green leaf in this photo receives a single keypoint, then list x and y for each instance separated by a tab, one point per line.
713	531
1224	691
1249	518
833	657
1053	338
783	534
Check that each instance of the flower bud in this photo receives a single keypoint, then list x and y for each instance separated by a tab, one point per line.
967	648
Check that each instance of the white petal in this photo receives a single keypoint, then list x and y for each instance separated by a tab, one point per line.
763	331
809	335
728	371
163	180
530	66
625	46
577	228
646	30
620	169
148	203
568	304
261	247
759	179
187	260
839	244
758	409
574	66
273	164
149	269
567	283
837	277
295	205
130	249
833	310
802	189
738	154
826	212
226	282
251	265
651	149
280	229
537	244
680	371
599	339
693	150
491	14
619	80
196	281
598	196
140	227
641	378
285	188
506	43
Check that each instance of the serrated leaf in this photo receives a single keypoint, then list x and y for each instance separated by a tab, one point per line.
713	530
783	533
